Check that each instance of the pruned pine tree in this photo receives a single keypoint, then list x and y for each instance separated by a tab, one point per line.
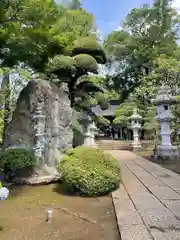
74	70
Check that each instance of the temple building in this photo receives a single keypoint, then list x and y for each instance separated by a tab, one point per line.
113	131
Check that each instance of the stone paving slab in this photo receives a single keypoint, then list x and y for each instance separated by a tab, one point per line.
147	204
170	178
172	235
153	183
129	222
174	206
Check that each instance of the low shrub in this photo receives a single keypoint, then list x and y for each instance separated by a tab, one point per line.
13	160
90	171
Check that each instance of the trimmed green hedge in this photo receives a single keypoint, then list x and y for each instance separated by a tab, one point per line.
90	171
15	159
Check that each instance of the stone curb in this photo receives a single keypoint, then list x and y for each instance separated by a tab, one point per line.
130	225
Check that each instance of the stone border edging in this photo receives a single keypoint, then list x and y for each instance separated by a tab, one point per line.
130	224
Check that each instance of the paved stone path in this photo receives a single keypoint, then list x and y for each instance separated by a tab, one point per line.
147	204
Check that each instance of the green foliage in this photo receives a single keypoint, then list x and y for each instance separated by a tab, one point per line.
151	123
147	33
125	110
86	62
62	65
176	120
102	81
143	55
28	32
90	45
1	124
41	35
13	160
90	172
36	30
102	100
100	120
82	90
166	71
103	95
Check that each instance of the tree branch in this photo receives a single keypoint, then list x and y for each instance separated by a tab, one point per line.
8	20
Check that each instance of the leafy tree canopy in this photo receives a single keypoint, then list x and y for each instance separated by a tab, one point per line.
147	33
32	31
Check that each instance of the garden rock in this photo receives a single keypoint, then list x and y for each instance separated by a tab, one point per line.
42	122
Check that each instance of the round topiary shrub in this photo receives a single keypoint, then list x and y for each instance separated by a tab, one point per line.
90	171
15	159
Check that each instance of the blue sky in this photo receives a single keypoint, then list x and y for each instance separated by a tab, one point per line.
109	13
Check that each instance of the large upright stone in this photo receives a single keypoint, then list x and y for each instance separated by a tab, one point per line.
42	122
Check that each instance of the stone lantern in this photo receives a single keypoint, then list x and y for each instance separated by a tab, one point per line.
164	100
89	130
135	125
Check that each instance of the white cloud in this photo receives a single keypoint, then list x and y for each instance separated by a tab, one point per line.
119	28
176	4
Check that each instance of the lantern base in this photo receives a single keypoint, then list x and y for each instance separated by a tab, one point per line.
163	152
136	145
89	142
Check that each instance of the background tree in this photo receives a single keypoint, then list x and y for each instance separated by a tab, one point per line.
151	126
146	33
143	55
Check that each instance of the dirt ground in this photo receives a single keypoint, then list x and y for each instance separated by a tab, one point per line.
23	215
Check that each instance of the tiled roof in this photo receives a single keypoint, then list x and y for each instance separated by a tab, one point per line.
108	112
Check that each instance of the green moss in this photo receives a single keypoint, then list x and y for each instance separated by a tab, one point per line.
90	171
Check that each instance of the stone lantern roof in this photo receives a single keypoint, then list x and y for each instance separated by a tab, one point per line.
84	118
135	115
164	97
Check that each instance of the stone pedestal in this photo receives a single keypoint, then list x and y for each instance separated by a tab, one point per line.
89	130
136	143
89	135
165	150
